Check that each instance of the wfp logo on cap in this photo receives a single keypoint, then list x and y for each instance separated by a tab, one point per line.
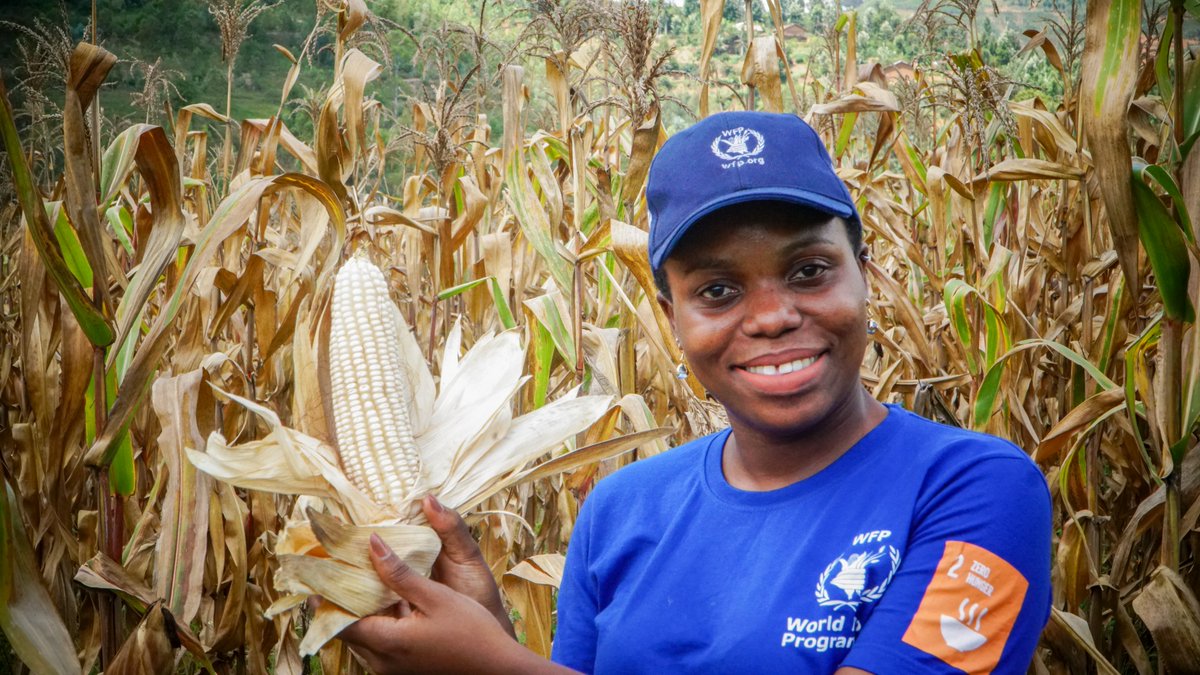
738	147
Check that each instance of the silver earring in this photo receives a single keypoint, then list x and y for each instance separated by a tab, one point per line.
872	327
681	371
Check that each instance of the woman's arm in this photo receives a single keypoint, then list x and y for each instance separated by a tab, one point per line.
973	591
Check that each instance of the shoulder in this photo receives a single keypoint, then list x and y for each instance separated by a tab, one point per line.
658	475
949	465
941	445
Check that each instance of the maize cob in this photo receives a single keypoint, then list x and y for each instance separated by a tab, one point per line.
370	392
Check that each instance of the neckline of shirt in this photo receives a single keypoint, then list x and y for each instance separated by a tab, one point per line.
850	461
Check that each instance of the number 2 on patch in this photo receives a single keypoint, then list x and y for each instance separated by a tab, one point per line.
953	571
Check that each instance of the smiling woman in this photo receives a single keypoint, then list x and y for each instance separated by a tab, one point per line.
822	531
769	302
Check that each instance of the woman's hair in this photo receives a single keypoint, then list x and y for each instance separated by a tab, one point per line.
803	215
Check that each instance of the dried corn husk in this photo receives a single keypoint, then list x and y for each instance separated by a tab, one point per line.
470	445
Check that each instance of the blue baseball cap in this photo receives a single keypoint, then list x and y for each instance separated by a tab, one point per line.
734	157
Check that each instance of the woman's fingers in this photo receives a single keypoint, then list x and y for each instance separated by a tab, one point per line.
402	609
457	543
416	589
367	629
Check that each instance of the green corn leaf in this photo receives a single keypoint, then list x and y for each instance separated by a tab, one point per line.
985	399
68	243
543	359
90	319
1163	239
118	159
122	476
460	289
1163	177
546	311
914	156
502	309
1162	60
995	205
1109	332
121	222
506	316
955	297
1134	358
535	225
1191	109
844	133
997	335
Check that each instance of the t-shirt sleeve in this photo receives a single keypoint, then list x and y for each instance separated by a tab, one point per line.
972	593
576	635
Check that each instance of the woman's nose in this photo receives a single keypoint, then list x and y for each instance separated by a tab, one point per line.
769	312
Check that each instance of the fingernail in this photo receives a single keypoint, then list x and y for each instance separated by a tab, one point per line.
380	549
434	503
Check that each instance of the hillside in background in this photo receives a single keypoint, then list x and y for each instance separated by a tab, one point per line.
181	39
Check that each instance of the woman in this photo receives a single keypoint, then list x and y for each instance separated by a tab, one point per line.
823	532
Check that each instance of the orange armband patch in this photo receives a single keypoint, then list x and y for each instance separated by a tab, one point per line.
969	608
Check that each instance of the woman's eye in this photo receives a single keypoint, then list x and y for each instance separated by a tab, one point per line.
810	271
716	292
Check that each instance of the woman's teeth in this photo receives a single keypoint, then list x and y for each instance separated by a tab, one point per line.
783	368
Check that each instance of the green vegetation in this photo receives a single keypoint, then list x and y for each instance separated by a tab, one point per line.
178	38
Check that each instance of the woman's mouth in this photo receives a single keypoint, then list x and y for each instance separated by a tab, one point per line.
782	368
782	379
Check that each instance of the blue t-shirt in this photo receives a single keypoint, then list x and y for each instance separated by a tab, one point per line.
923	549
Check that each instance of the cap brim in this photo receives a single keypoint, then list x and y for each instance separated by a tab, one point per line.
777	194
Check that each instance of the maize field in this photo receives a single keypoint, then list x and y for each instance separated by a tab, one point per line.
189	448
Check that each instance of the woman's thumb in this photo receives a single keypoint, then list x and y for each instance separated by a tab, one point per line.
456	538
398	576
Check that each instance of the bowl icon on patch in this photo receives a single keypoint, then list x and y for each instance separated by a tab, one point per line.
963	633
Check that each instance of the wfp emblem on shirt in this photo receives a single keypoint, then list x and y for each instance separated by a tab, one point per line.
844	583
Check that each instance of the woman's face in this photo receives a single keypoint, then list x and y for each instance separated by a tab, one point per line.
770	307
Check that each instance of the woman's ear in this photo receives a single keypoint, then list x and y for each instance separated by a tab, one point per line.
864	257
668	308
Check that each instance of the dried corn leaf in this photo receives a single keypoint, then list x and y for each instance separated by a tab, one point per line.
284	461
1027	169
180	552
760	69
151	649
89	65
1172	613
866	97
534	604
1077	630
326	623
31	623
356	590
1109	72
474	475
545	569
711	12
417	546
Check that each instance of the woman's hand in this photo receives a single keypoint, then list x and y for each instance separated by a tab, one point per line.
460	565
437	630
